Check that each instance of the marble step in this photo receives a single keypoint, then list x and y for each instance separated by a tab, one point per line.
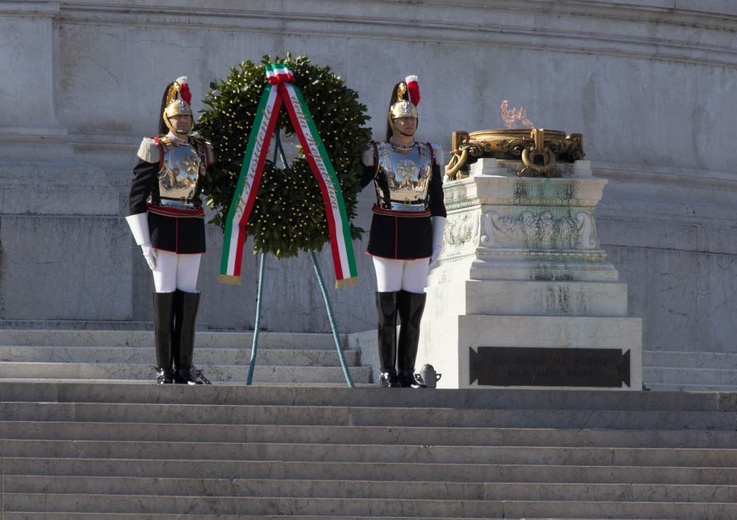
471	399
216	374
164	516
376	453
336	434
397	471
690	371
684	359
191	414
137	337
330	508
145	355
419	489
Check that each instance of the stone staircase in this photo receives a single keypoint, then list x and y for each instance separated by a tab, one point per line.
113	451
128	355
690	371
84	434
121	353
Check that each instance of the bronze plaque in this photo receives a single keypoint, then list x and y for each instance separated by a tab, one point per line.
520	366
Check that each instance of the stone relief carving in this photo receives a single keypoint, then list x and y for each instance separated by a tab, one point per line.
539	231
460	231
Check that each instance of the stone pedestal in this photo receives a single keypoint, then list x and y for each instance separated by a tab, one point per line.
522	295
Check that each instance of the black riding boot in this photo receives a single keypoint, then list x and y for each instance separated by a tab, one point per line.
184	331
410	307
176	332
386	309
163	325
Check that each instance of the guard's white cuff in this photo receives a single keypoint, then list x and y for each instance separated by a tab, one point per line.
438	225
139	227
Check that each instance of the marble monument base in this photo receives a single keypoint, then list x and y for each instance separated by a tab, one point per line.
522	296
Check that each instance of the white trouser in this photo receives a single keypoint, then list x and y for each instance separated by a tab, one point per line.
175	271
396	275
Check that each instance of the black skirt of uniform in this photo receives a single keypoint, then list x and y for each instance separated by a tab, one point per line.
177	230
400	235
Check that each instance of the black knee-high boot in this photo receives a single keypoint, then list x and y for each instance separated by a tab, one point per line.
176	332
386	309
163	327
184	331
410	307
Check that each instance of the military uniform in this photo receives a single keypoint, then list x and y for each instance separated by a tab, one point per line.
168	222
406	234
167	183
409	190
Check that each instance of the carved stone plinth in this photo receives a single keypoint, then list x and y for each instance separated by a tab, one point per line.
521	270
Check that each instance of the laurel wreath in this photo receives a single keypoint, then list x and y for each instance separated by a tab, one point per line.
289	214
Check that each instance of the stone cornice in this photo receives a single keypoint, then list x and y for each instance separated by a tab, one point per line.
649	29
29	8
686	178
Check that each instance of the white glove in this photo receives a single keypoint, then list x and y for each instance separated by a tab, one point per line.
438	225
435	253
149	253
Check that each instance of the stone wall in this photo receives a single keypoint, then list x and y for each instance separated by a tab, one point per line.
648	83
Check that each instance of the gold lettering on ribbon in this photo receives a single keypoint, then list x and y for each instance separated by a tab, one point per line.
313	147
260	139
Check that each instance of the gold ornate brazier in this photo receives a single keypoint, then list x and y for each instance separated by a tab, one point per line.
538	149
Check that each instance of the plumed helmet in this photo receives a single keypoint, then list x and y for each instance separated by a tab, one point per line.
404	100
176	101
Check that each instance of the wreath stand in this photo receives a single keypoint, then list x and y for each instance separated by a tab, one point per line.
279	153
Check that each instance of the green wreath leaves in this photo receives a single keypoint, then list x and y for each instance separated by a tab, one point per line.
289	214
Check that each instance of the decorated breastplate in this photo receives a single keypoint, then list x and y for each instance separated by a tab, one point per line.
403	178
180	170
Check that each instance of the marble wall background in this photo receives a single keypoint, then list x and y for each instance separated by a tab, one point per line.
649	83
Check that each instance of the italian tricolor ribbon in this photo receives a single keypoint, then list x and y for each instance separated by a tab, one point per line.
280	91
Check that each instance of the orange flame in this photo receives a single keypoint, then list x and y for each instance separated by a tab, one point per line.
511	115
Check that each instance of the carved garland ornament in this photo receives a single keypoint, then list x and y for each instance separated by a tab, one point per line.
539	230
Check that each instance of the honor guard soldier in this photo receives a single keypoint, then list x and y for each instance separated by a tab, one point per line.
406	231
167	221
